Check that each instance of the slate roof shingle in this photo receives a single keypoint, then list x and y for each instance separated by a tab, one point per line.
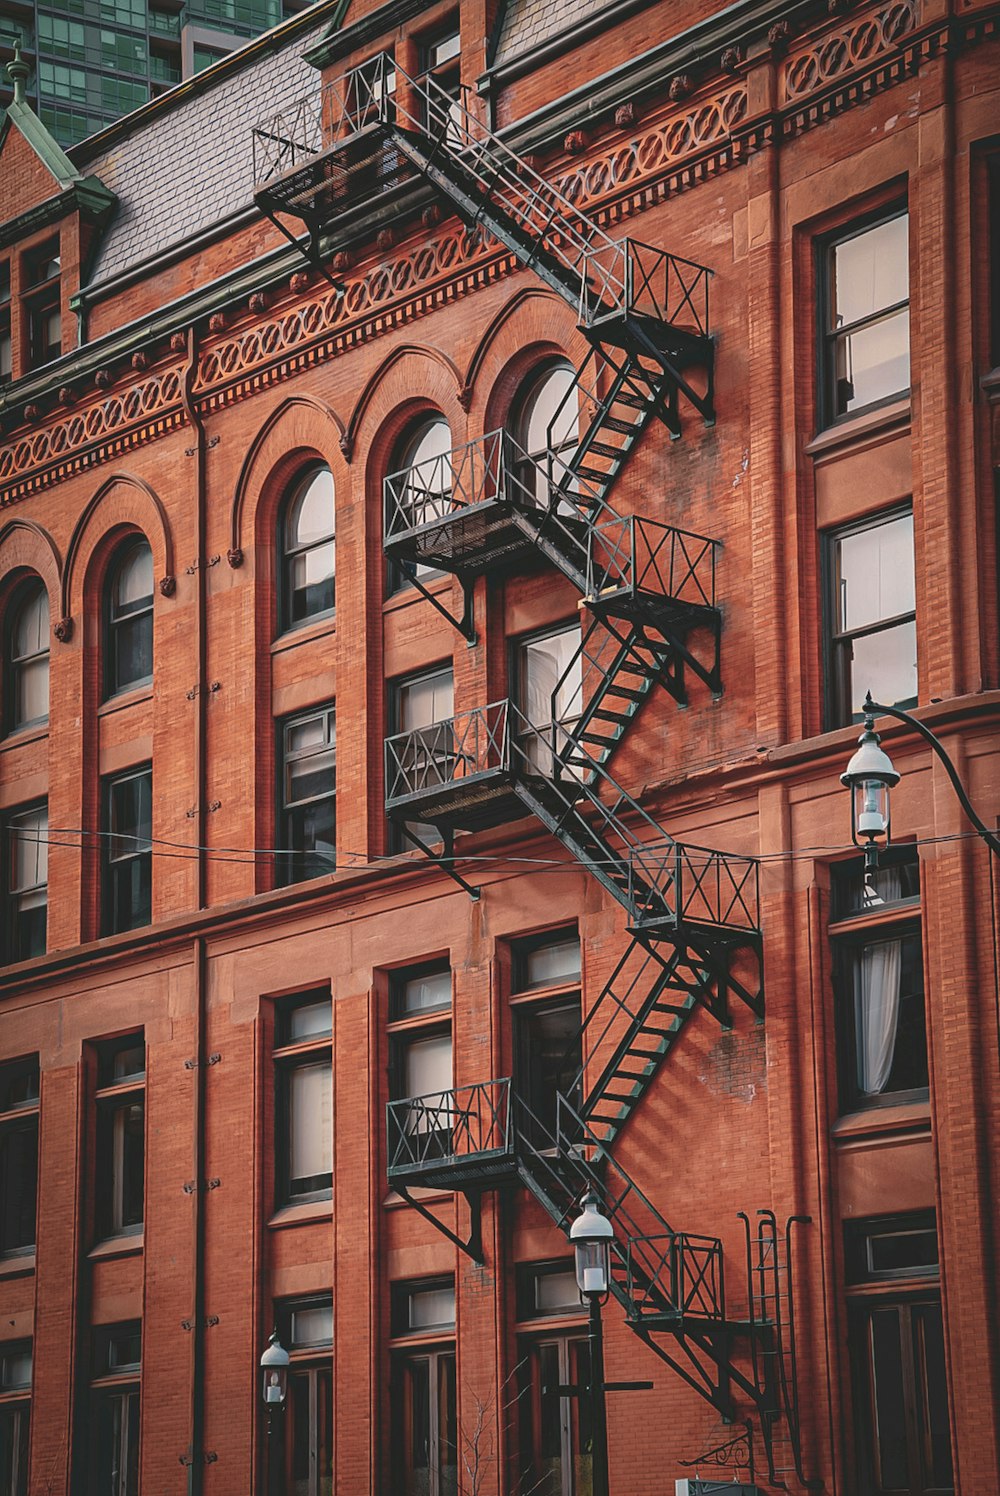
528	23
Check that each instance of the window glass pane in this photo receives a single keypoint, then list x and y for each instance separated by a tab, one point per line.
432	990
447	1411
857	893
131	815
133	587
311	517
306	735
545	664
432	1308
555	1291
549	1058
427	1069
426	701
29	850
16	1363
299	1427
890	1032
31	626
871	271
546	403
885	664
310	1021
311	777
310	1125
418	1397
31	691
18	1084
128	1060
557	962
14	1427
875	573
128	1143
312	1325
897	1251
18	1184
890	1415
124	1350
932	1395
873	362
579	1368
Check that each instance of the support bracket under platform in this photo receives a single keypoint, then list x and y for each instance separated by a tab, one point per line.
466	625
474	1246
445	859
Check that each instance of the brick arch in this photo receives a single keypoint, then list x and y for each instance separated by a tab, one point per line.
26	547
297	430
438	379
122	503
535	329
543	302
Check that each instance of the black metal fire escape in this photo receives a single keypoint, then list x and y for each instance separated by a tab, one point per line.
648	591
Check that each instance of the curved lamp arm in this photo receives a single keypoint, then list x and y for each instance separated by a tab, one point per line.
991	839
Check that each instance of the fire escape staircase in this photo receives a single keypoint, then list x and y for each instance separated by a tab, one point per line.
649	590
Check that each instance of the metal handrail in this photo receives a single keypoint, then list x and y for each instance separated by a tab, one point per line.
641	555
462	1123
443	753
677	1269
710	887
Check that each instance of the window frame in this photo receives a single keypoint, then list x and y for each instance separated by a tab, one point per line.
568	1343
409	1348
289	868
531	1002
838	644
15	1410
19	1117
403	452
312	1360
110	861
847	934
827	335
30	588
112	625
42	294
109	1385
288	1055
403	1030
114	1096
14	937
287	553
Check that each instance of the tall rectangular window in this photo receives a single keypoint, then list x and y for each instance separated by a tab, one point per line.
556	1450
113	1427
308	796
26	884
305	1328
6	349
420	1062
18	1155
548	678
865	290
424	1401
898	1360
879	984
15	1416
872	612
422	707
119	1164
128	851
546	1020
43	295
303	1067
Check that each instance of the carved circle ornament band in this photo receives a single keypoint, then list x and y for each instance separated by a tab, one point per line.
284	345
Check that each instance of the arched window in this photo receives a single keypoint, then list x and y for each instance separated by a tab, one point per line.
308	550
129	636
426	494
546	429
28	656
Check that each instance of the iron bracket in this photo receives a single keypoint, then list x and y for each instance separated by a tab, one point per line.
472	1248
445	860
213	1059
466	624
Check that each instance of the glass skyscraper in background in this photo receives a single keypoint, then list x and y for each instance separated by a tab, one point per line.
94	60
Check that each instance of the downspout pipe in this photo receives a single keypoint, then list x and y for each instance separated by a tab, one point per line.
196	1452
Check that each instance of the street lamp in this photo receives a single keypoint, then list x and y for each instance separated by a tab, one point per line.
274	1389
870	776
591	1234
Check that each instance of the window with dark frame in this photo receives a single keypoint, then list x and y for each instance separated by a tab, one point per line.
546	1017
43	302
15	1416
27	657
898	1359
26	880
545	421
128	654
423	1391
423	706
308	550
19	1109
307	796
441	58
871	608
127	851
864	310
305	1328
115	1398
420	1052
423	454
120	1137
548	1289
548	681
6	344
303	1073
556	1441
877	953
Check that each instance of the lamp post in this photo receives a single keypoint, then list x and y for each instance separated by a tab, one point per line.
870	776
591	1235
274	1389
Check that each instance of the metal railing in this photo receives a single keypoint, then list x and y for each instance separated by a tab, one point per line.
429	758
439	487
642	280
707	887
676	1272
358	100
642	555
463	1124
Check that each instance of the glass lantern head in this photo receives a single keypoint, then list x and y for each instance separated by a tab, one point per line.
274	1367
870	776
591	1235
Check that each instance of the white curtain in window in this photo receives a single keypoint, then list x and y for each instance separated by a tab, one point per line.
877	974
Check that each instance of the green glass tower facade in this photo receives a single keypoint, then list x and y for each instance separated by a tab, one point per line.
95	60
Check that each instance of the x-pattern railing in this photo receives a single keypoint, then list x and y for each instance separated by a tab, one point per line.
643	280
642	555
463	1123
355	101
709	887
436	488
676	1270
442	753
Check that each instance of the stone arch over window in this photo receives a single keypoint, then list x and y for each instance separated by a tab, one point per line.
124	503
307	548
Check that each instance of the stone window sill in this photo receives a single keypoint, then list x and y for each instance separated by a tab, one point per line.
118	1246
910	1116
858	429
301	1215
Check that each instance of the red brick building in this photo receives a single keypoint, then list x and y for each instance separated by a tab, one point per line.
556	417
